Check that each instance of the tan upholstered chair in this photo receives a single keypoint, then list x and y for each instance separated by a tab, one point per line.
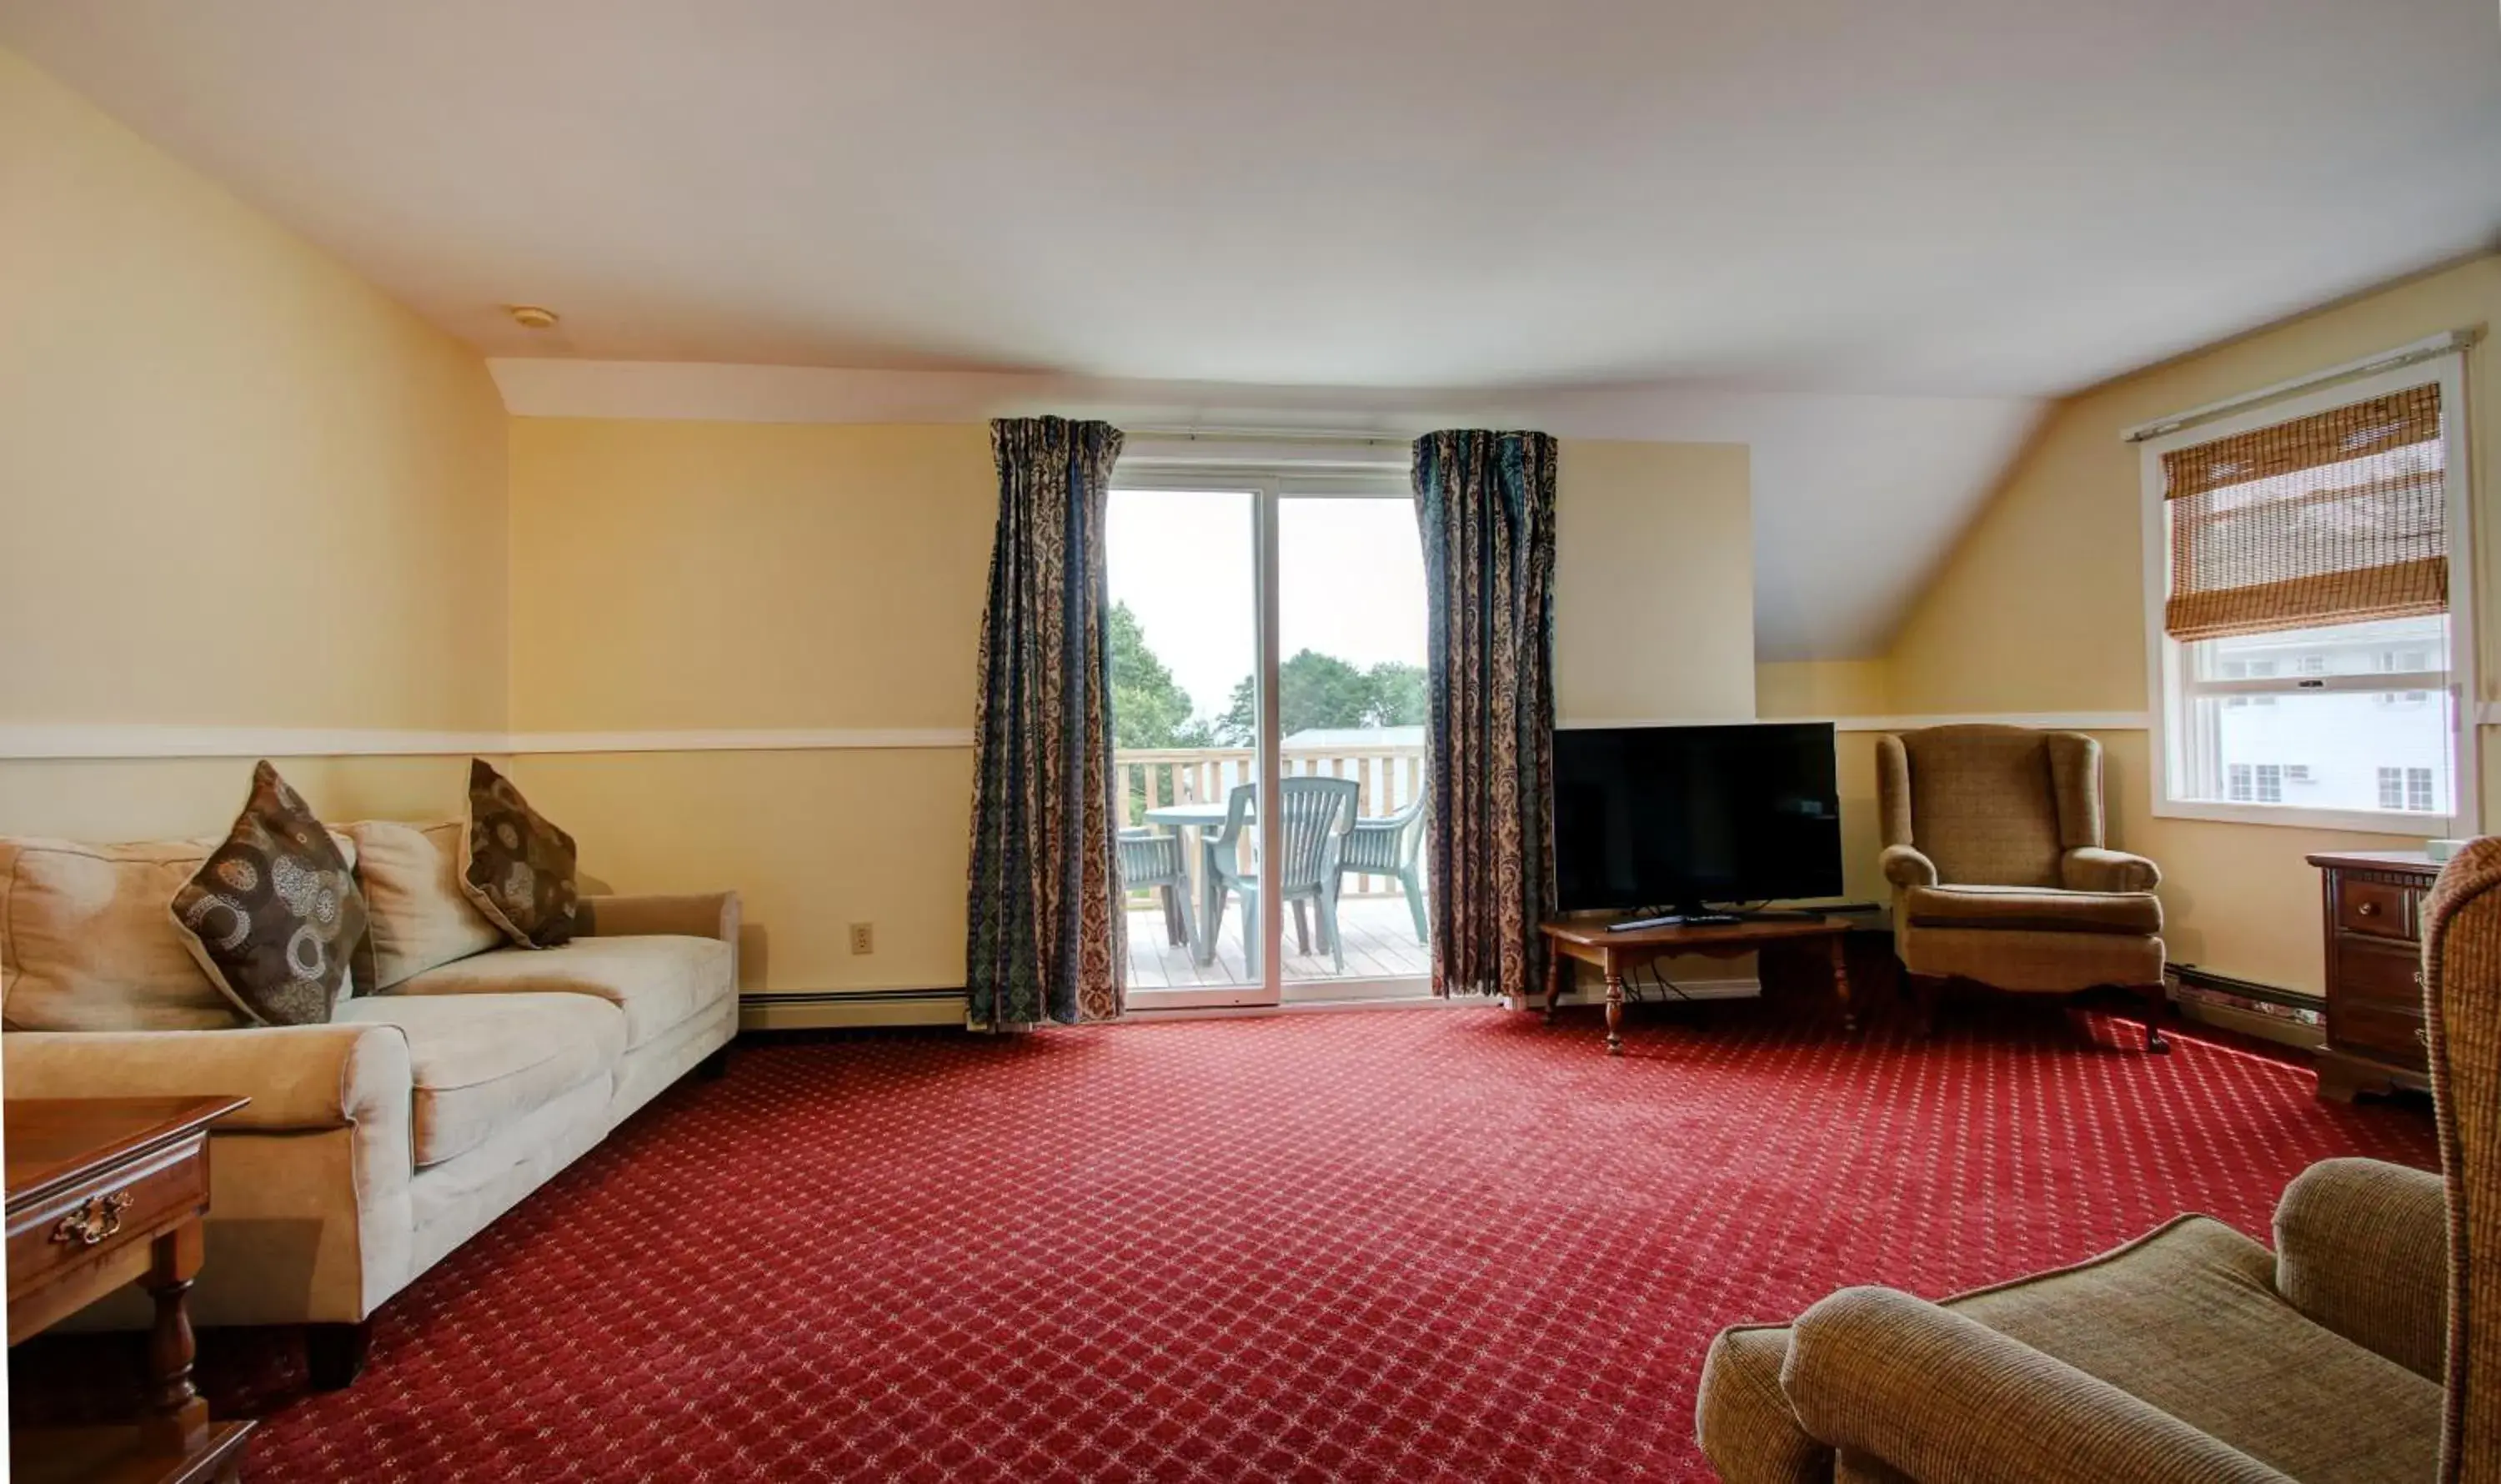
2366	1346
1993	846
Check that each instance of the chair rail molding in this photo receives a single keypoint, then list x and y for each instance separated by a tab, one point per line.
113	741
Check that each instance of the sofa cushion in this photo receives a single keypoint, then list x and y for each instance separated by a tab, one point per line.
2028	962
274	915
517	867
420	916
85	944
2033	909
482	1062
657	982
2187	1319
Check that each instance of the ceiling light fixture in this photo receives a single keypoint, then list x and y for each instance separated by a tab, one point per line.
530	317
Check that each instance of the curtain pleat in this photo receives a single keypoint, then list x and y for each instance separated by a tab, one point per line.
1485	508
1043	942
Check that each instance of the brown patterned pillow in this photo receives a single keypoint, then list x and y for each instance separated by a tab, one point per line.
520	868
274	915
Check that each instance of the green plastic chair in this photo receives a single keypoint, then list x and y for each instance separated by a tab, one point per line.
1148	859
1314	815
1389	846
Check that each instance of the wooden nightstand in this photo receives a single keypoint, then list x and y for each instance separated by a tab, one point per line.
2372	904
104	1191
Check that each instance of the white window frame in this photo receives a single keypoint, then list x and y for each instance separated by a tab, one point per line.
2167	695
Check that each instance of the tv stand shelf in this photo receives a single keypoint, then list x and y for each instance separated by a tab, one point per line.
1589	940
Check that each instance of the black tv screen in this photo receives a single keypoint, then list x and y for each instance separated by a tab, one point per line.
1677	817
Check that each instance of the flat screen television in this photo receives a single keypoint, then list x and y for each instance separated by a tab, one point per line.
1678	817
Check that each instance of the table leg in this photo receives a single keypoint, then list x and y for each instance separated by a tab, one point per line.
1553	981
1841	983
177	1422
1614	1012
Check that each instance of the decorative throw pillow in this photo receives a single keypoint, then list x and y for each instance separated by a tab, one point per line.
421	916
520	868
274	915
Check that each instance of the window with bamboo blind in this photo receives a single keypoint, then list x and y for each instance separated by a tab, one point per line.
2307	579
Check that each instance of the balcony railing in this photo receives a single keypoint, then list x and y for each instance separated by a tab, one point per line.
1389	779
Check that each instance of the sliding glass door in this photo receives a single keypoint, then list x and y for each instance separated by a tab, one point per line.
1184	571
1268	643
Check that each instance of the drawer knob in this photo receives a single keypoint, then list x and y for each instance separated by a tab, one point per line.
93	1219
2367	909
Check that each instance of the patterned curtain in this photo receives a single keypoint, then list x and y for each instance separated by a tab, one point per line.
1485	505
1044	942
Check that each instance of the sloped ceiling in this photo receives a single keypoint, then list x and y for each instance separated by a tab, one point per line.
1866	237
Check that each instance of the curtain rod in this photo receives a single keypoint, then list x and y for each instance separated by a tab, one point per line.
1270	435
2386	360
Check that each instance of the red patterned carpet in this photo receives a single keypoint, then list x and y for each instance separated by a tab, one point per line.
1381	1245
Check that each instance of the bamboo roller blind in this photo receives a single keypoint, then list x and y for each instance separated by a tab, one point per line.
2336	518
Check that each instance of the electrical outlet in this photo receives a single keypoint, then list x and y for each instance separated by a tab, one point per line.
864	937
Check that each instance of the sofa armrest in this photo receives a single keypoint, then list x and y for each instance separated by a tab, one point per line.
2092	869
299	1078
711	915
1947	1400
2363	1249
1905	867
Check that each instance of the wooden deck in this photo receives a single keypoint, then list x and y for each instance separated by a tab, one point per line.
1380	944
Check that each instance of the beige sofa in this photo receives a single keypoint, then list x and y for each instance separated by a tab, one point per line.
378	1143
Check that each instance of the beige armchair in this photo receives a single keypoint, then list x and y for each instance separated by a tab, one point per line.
2366	1346
1993	846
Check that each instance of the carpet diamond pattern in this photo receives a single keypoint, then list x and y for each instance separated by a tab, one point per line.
1391	1244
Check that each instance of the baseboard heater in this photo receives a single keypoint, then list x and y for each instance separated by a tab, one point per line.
2268	1009
837	1009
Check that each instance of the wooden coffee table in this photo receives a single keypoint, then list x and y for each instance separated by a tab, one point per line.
1587	940
104	1191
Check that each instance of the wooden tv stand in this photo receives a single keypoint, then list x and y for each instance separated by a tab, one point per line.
1587	940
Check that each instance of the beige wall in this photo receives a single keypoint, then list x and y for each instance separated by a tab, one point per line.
183	798
700	576
746	575
693	576
1822	688
2041	608
241	487
1655	598
1653	582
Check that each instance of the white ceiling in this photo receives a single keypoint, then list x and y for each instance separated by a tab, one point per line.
1921	200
